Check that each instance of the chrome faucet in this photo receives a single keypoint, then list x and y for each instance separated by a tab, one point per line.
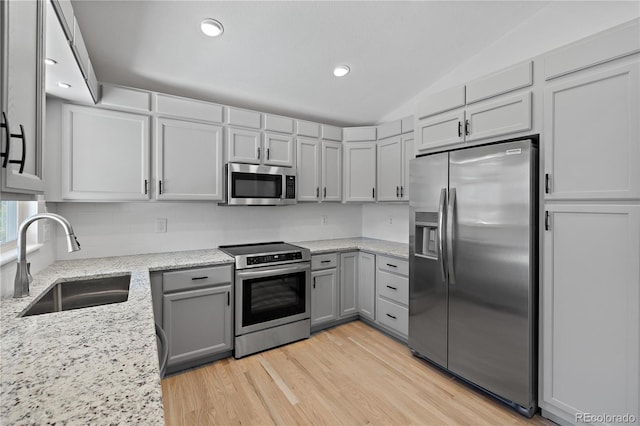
23	273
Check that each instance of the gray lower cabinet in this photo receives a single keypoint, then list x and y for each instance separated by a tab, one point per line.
367	284
197	314
348	284
324	290
197	323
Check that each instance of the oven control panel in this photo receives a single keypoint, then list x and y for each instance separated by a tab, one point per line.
273	258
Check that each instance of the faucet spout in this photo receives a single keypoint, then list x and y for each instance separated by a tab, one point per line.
23	273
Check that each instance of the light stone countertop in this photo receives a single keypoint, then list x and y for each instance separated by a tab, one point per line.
387	248
94	365
99	365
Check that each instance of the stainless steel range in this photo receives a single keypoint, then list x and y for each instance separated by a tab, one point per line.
272	295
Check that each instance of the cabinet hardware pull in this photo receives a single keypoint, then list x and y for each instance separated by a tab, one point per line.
314	282
392	265
392	288
547	183
459	129
317	192
325	261
373	193
160	187
325	192
258	153
5	126
391	316
546	221
401	191
397	192
228	298
466	127
198	278
9	135
268	149
146	187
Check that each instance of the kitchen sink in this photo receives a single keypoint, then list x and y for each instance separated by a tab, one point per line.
82	293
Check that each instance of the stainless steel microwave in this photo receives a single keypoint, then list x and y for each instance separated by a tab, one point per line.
254	185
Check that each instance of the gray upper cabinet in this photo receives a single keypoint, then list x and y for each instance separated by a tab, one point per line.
592	134
22	96
167	105
188	160
331	171
309	163
278	150
132	99
360	172
243	118
276	123
307	128
331	133
477	110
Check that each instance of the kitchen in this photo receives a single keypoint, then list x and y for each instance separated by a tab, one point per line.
144	230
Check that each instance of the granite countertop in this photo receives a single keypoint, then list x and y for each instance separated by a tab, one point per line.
99	365
388	248
94	365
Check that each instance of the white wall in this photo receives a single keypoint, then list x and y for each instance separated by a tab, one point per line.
557	24
376	217
112	229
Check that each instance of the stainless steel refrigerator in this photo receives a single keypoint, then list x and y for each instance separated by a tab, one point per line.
473	266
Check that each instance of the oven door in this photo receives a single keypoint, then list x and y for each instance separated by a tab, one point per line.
271	296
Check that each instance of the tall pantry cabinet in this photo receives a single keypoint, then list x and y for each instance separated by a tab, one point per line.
590	294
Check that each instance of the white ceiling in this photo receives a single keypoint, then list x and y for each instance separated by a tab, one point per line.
278	56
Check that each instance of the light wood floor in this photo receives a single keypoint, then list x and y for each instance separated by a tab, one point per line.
351	374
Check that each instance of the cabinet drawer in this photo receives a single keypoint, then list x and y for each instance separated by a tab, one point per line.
194	278
393	316
392	264
394	287
324	261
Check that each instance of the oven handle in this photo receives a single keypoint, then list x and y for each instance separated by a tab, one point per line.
263	272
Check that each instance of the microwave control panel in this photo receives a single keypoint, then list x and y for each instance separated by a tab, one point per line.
290	187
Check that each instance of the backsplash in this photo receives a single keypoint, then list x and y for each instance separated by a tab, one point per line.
114	229
376	220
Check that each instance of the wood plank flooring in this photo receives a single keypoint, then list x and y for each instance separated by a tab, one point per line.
348	375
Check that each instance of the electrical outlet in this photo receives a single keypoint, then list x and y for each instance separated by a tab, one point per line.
390	220
324	219
161	225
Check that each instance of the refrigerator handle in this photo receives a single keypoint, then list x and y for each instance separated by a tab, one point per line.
441	224
450	236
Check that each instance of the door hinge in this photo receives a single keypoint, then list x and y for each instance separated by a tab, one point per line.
547	183
546	221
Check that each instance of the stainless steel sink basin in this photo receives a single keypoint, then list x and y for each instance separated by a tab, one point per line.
78	294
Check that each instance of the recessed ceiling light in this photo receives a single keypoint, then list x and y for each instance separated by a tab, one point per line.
211	27
341	70
64	85
50	61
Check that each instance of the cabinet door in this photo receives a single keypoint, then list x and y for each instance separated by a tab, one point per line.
308	160
590	301
197	323
105	154
22	97
348	284
408	154
360	171
592	136
324	293
389	168
243	146
497	118
331	171
278	150
367	285
440	130
188	160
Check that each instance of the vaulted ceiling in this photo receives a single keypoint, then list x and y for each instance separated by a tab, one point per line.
278	56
